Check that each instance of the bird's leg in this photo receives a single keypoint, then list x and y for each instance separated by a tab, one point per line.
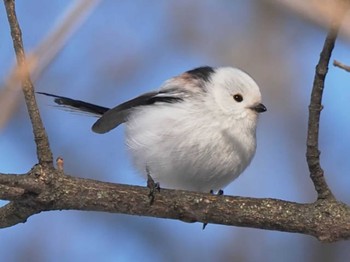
219	193
153	186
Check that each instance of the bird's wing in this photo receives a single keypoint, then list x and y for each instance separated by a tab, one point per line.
77	105
119	114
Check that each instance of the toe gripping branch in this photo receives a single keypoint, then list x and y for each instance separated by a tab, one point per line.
219	193
154	187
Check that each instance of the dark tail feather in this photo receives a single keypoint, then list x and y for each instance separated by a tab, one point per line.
77	104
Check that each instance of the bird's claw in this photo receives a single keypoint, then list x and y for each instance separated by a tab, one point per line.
154	187
219	193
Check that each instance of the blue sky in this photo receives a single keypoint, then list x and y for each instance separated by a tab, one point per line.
128	48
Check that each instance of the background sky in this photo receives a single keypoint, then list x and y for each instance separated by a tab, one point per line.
130	47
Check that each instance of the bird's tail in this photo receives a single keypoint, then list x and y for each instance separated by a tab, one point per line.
77	105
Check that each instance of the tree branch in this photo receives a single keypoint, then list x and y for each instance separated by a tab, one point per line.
324	219
315	107
41	140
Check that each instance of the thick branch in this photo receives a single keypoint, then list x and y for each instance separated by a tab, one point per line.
43	150
327	220
313	153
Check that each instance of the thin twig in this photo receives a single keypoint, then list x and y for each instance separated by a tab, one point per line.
43	150
313	153
341	65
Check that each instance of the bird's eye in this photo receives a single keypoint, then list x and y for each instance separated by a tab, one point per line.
238	98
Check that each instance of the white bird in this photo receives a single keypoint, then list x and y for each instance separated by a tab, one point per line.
197	132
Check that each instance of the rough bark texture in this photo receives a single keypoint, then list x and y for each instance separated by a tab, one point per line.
45	188
328	220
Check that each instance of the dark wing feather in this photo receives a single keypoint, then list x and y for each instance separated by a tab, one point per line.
111	118
119	114
77	104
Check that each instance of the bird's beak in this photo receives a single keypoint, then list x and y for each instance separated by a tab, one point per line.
259	108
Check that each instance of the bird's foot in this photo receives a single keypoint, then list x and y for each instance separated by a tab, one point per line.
154	187
219	193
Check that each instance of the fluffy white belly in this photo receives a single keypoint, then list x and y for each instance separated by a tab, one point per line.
188	152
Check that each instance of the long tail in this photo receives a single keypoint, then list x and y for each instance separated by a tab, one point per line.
77	104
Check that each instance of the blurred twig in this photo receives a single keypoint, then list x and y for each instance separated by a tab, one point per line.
318	12
64	28
40	57
341	65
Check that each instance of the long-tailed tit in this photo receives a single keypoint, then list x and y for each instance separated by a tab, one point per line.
197	132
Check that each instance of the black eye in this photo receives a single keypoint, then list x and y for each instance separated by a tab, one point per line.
238	98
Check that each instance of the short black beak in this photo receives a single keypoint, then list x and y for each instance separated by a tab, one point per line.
259	108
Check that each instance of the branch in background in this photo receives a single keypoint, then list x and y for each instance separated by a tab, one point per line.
341	65
40	57
65	27
320	13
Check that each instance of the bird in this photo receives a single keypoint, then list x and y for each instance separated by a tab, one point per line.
197	132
